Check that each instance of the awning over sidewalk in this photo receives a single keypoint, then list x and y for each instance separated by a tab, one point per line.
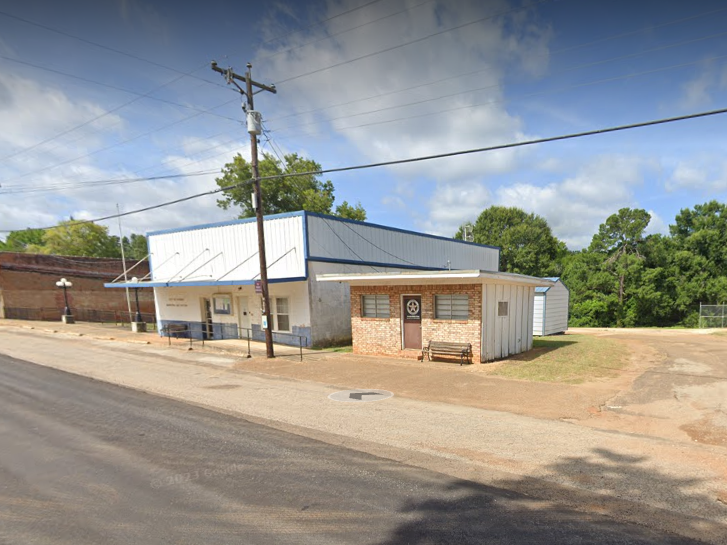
435	277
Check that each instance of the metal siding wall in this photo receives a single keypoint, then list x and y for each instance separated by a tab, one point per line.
538	311
519	321
556	317
330	238
531	302
237	242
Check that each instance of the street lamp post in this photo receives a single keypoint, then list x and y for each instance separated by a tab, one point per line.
138	325
67	317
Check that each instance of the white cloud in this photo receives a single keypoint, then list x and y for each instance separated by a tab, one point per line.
657	226
453	204
705	176
31	113
577	205
383	127
699	91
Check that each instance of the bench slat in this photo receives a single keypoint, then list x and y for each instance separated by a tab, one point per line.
463	350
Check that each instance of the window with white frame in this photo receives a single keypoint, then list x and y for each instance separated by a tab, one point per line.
502	309
375	306
282	314
454	306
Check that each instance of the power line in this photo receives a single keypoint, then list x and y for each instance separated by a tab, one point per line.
510	145
107	48
147	133
565	70
334	34
117	88
417	40
94	183
88	122
554	52
277	39
529	95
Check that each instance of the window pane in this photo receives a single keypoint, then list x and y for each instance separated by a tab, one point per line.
282	305
283	322
382	306
368	306
451	307
460	307
375	306
502	308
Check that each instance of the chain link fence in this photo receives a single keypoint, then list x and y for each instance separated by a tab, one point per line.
711	316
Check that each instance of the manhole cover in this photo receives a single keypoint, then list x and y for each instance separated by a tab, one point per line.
360	395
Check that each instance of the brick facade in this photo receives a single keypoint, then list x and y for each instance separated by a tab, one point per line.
383	336
28	281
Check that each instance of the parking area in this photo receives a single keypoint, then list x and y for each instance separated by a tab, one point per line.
676	387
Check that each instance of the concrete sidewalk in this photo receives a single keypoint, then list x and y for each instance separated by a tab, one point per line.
679	487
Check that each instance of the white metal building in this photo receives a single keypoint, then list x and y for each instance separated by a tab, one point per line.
550	315
207	273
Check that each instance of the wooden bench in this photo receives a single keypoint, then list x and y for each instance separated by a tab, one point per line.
462	350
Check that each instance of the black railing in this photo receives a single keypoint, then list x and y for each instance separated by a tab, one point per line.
203	331
116	317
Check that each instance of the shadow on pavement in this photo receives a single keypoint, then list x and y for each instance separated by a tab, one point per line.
467	512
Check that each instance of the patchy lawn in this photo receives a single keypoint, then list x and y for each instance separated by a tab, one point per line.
571	359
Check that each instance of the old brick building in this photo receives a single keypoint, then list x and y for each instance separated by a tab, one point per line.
399	313
28	287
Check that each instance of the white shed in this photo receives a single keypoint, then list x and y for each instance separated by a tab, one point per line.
550	316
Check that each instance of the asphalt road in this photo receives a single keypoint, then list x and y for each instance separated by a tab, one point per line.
86	462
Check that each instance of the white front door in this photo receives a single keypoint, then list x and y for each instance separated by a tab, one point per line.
243	313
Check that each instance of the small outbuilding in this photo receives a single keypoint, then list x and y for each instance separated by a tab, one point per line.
550	316
400	313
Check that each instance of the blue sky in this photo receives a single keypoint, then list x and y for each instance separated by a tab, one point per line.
363	81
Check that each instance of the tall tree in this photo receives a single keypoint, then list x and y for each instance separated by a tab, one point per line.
77	238
136	247
621	239
287	194
18	241
527	244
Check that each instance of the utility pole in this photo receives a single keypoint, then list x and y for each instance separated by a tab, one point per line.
253	122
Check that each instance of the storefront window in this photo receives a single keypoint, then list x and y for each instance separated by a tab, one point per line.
282	316
375	306
451	307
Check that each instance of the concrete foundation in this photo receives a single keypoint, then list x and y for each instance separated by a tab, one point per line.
138	327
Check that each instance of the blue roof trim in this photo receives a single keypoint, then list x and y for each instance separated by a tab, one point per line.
205	283
540	289
398	230
223	223
374	264
306	255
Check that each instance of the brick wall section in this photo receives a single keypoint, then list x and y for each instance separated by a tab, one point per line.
381	336
29	281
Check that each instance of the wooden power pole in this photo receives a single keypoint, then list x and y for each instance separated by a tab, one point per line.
253	127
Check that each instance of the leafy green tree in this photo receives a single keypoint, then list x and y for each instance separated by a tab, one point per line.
136	247
18	241
345	210
77	238
527	244
289	194
621	238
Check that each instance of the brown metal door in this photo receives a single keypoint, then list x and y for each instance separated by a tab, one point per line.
412	313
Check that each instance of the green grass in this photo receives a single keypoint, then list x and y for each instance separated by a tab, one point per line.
570	359
720	333
343	349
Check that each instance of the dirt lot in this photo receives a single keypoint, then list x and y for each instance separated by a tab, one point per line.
675	386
